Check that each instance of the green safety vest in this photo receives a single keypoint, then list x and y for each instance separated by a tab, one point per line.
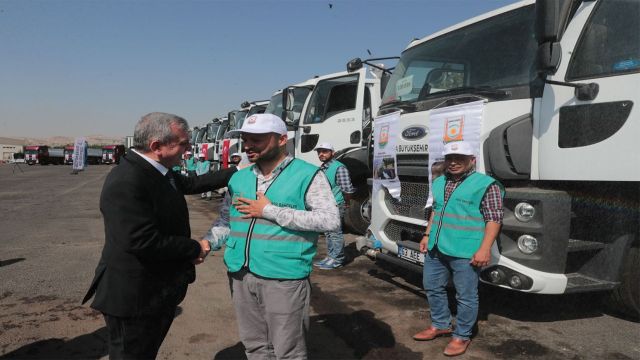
458	226
203	167
331	172
190	164
262	246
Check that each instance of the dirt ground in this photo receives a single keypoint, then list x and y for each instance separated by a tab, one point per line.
51	236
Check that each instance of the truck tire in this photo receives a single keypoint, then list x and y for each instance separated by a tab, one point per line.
625	299
358	217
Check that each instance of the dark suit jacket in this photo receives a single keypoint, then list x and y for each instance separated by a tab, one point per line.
147	257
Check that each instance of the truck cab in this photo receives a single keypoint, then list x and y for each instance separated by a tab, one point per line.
337	108
36	154
68	154
558	80
111	154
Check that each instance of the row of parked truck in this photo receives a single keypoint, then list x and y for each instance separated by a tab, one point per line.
559	79
45	155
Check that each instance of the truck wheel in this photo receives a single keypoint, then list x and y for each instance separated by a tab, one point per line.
358	217
625	299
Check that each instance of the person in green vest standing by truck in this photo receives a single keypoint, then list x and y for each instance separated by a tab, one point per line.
465	221
341	186
270	221
190	164
202	167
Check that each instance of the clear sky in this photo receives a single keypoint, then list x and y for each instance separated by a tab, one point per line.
89	67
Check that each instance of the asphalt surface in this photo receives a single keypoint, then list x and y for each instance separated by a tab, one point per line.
51	236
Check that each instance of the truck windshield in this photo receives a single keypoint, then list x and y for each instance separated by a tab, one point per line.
194	135
496	53
212	131
240	115
257	109
31	152
275	105
222	129
108	151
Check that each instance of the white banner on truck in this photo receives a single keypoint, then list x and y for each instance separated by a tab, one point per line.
449	124
385	168
79	153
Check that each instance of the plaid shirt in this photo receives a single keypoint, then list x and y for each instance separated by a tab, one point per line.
491	206
343	180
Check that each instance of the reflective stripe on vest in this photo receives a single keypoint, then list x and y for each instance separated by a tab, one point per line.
262	246
458	225
331	171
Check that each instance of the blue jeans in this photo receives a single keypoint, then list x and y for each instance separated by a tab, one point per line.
335	240
437	270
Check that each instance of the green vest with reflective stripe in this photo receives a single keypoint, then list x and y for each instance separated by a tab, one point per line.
458	226
331	172
262	246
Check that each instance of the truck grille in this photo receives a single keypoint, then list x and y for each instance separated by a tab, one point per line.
413	198
397	230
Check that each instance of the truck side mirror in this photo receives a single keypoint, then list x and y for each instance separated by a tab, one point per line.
548	57
354	65
551	19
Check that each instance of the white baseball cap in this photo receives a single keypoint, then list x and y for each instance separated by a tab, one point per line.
188	153
261	124
325	146
458	147
201	155
235	154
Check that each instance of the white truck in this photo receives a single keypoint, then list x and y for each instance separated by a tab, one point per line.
337	108
561	79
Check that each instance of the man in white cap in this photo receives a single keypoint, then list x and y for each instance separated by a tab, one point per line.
270	221
341	186
235	158
190	163
466	219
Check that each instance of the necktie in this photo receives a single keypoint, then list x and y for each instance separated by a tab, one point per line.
172	180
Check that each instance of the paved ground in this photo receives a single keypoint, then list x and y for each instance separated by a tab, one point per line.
51	235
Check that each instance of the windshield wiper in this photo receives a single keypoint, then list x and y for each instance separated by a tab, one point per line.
480	90
401	104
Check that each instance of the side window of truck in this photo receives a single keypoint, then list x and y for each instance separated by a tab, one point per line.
330	97
610	43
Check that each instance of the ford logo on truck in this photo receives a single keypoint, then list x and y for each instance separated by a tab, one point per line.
414	133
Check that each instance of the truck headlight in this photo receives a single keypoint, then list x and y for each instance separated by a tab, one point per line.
524	212
527	244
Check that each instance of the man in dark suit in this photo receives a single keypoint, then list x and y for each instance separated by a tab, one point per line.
148	258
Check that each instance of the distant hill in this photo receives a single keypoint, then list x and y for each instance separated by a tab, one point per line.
64	140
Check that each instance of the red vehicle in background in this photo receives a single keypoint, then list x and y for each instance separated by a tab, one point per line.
68	154
36	154
112	153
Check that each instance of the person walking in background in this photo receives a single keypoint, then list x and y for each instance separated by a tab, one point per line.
341	186
202	167
148	258
269	221
190	163
465	221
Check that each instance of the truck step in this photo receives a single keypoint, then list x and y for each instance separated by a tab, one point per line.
577	282
583	245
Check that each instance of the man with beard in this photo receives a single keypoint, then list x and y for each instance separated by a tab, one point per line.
270	221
